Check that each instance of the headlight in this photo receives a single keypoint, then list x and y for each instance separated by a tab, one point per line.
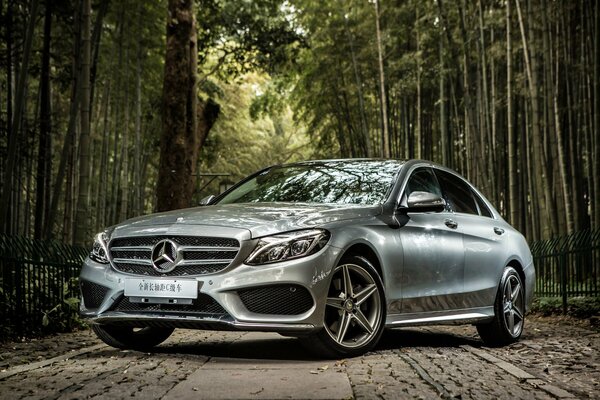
99	251
288	246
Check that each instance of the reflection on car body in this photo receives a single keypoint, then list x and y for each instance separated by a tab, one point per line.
331	251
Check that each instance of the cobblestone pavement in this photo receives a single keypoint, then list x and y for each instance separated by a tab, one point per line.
556	358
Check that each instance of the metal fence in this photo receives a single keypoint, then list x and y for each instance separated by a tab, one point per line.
37	279
568	266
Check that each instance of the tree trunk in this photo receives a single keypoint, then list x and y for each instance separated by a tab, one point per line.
359	91
418	145
69	139
179	139
443	117
95	49
470	128
208	111
17	119
124	171
45	129
485	127
82	223
9	107
541	193
384	113
137	196
596	137
117	125
513	187
562	159
103	172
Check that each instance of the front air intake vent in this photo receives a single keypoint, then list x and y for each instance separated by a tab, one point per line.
277	299
93	294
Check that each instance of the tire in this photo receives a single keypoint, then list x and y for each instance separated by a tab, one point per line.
509	312
130	338
356	300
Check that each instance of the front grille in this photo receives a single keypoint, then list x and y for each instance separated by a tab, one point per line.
201	255
204	304
93	294
277	299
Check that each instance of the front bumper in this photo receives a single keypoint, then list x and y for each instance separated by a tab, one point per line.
311	273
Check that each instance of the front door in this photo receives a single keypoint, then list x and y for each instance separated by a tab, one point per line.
433	273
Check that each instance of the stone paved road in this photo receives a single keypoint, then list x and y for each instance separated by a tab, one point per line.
556	358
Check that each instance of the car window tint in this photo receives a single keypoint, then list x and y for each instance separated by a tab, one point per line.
483	209
422	180
457	193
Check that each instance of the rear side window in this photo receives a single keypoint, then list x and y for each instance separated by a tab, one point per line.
422	180
457	193
483	209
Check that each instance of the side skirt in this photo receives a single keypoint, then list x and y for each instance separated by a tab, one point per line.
454	317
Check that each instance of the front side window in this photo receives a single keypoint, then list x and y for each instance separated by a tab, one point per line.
330	182
457	193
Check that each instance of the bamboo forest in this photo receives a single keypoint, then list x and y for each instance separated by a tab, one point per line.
102	101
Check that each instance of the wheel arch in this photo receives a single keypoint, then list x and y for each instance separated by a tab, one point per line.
516	264
363	249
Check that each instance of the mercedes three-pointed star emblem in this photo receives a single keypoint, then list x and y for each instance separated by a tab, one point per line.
166	256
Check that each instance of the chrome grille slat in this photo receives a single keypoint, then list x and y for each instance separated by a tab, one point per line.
132	248
207	248
201	255
204	262
132	261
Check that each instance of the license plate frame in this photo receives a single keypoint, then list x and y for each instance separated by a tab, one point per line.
161	288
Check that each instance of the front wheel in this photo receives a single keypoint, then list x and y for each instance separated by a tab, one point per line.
354	312
509	310
123	337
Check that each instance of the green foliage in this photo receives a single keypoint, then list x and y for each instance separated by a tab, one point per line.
239	143
239	36
64	316
580	307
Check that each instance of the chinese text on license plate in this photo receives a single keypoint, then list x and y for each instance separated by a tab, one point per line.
166	288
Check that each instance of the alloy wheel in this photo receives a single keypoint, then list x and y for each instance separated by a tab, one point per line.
353	312
512	305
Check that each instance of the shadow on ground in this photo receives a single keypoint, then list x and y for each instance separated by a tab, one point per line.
401	338
274	347
270	348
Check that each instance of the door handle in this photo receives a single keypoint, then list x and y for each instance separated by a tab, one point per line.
498	231
450	223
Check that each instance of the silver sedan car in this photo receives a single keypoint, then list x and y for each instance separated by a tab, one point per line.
330	251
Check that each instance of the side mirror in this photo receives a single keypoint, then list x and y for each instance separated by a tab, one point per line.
207	200
424	202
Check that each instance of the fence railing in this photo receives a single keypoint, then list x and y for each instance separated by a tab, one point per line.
568	266
37	280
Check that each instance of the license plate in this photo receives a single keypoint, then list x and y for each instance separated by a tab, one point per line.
163	288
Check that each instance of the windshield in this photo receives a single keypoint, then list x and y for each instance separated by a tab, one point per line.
330	182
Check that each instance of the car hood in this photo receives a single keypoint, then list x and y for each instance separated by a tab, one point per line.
260	219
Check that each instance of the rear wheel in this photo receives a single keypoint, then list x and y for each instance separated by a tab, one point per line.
509	310
354	312
123	337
